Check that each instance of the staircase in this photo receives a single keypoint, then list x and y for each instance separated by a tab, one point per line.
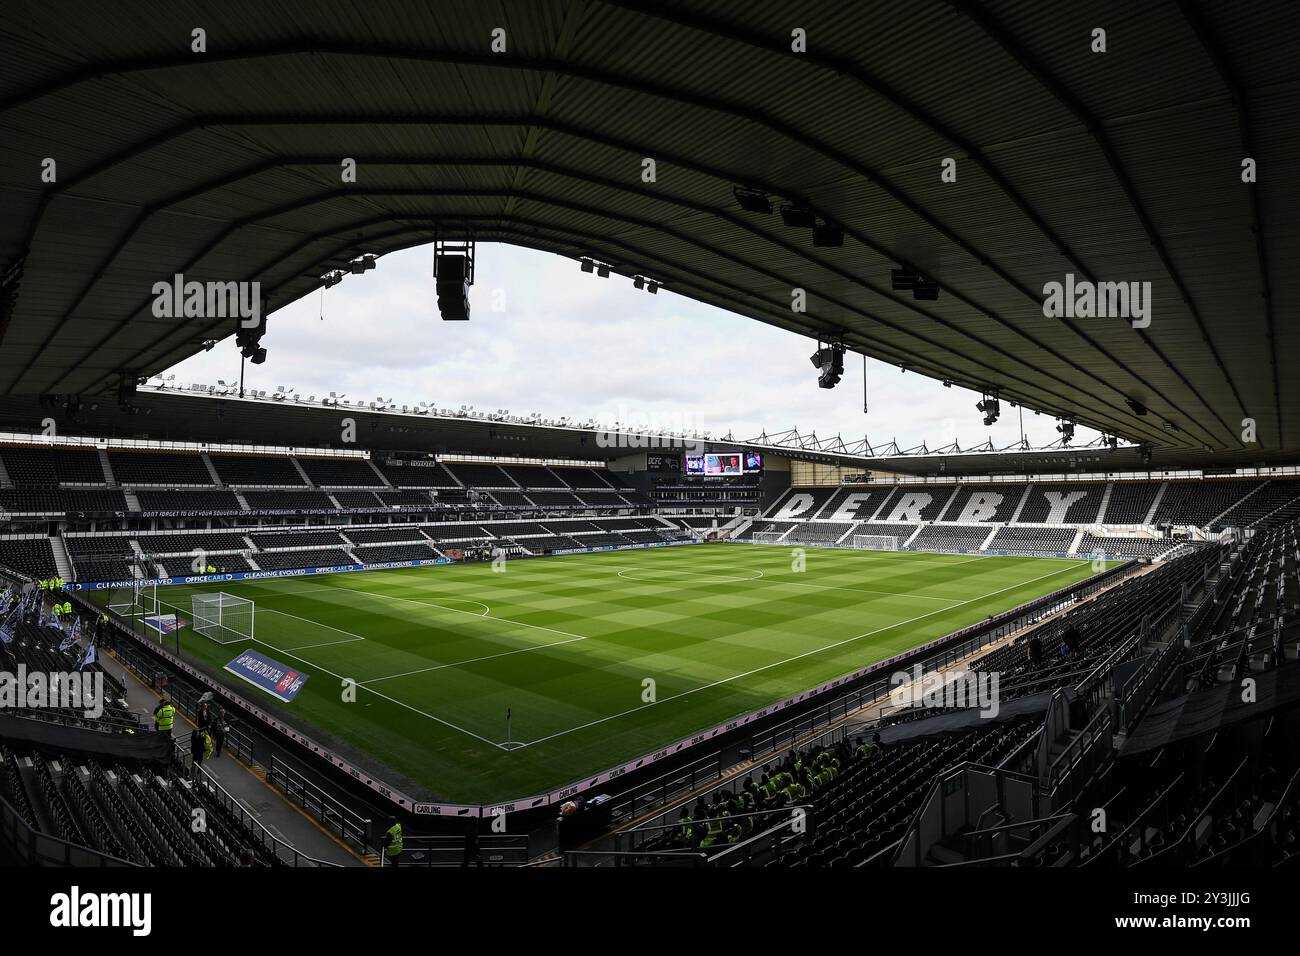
878	514
948	504
992	534
212	470
1029	486
383	480
62	561
243	502
1155	505
108	469
302	471
132	502
1237	504
1105	503
4	476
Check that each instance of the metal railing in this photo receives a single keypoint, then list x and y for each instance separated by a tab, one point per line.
1074	767
330	813
494	849
666	788
1117	851
31	847
1181	851
980	635
253	828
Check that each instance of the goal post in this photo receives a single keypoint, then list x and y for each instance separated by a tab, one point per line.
768	537
223	617
875	542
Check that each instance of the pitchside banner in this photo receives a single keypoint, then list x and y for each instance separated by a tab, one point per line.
165	623
270	675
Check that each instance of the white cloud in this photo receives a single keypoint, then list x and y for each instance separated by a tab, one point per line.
571	343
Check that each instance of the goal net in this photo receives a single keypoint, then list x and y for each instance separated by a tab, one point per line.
875	542
223	617
768	537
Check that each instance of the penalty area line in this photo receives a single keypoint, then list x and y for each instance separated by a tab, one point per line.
371	690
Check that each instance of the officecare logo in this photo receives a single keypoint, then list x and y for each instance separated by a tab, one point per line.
75	909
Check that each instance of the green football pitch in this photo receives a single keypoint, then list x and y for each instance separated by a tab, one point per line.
600	657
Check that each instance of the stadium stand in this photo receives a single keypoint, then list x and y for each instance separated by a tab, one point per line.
1075	503
297	539
1033	540
30	555
186	542
283	501
1126	547
65	501
950	538
133	468
421	474
256	471
1130	502
34	467
533	477
190	501
340	472
487	477
302	558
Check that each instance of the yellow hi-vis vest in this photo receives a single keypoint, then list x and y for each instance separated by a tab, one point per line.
395	847
166	717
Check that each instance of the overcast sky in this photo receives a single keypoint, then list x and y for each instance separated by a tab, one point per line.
564	342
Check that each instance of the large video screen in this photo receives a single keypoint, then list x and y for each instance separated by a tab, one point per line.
724	464
730	463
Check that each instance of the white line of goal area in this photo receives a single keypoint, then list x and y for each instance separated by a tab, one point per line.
817	650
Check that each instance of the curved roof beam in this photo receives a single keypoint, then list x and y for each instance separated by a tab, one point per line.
657	196
685	162
1001	35
742	295
1215	50
642	87
346	193
741	300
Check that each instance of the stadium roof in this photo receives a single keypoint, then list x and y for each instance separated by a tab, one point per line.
1117	166
218	417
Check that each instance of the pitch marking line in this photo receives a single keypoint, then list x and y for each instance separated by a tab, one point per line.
778	582
757	670
724	576
391	700
454	610
472	660
346	640
305	620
